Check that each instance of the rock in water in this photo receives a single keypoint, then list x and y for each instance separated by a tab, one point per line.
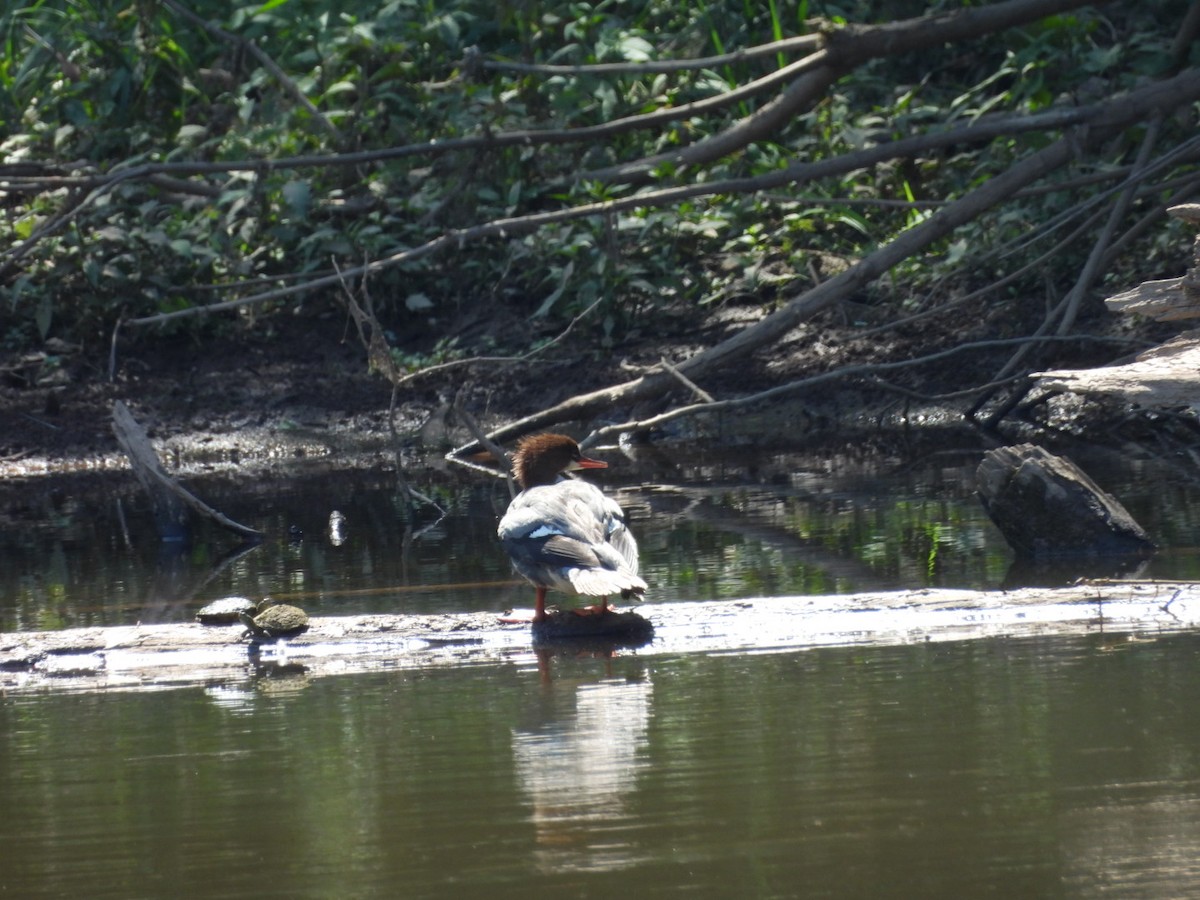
627	629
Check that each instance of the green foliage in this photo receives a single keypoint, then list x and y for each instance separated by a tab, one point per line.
92	86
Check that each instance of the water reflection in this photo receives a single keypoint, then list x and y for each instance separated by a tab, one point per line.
577	755
1030	768
1143	842
82	551
265	679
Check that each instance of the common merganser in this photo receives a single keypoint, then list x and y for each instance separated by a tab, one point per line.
564	534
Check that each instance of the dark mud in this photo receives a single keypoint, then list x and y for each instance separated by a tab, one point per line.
255	398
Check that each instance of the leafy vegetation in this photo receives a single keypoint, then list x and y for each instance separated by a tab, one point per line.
159	158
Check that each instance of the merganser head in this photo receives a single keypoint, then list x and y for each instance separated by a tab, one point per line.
541	458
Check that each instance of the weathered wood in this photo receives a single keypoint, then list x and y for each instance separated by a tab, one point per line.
161	656
1162	300
1171	299
1166	377
169	499
626	628
1047	507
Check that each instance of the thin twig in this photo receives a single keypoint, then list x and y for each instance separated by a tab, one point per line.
948	395
1153	217
803	44
1183	152
477	432
1011	277
524	357
371	335
685	381
1065	310
1186	188
880	202
112	349
1127	173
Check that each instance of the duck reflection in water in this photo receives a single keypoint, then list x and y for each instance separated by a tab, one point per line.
577	762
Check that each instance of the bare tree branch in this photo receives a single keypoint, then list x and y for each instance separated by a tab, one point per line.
1119	208
845	48
795	174
1112	115
846	373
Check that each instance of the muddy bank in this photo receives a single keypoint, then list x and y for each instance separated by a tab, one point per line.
157	657
259	398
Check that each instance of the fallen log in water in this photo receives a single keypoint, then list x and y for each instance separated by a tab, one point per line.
161	656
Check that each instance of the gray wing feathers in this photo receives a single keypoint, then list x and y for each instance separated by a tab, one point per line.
571	537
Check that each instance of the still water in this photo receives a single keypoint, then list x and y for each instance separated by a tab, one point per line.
84	551
1015	768
1031	768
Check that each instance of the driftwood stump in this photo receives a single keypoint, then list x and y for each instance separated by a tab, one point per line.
1047	508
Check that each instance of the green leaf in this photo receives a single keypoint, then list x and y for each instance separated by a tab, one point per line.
298	197
514	195
558	292
268	6
340	87
192	134
636	49
44	316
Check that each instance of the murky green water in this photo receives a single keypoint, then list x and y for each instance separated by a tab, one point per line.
1034	768
1011	768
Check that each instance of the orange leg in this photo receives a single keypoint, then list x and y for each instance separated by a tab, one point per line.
539	612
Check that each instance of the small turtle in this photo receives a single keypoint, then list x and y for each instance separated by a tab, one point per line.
225	611
274	621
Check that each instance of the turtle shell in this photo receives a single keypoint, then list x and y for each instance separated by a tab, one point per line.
277	621
225	611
